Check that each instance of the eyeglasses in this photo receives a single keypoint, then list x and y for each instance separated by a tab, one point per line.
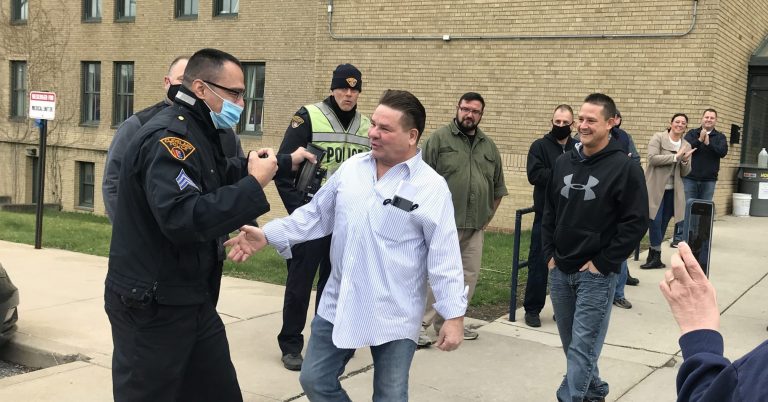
233	92
471	111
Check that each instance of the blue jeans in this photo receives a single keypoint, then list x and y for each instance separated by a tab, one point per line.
658	225
701	189
621	281
324	363
582	302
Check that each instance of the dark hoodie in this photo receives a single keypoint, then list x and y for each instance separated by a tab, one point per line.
596	208
541	159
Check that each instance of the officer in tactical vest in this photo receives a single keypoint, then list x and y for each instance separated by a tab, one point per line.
336	126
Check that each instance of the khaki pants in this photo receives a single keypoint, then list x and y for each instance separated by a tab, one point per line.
471	246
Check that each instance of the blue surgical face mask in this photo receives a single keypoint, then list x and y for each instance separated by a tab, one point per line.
229	115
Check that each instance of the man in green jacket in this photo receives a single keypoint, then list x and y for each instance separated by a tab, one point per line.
471	164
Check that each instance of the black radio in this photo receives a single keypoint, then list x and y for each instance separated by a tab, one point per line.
311	175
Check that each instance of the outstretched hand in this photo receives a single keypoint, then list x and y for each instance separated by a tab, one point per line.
249	241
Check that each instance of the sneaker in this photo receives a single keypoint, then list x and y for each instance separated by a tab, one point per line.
532	320
424	340
674	243
632	281
622	303
470	334
293	361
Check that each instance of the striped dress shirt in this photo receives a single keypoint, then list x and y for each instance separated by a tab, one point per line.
381	256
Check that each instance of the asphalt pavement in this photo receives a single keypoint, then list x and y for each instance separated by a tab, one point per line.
62	326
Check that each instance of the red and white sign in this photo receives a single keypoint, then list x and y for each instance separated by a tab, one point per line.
42	105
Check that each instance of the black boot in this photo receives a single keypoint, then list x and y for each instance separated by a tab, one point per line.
632	281
654	260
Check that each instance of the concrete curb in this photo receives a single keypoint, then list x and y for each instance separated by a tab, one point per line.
36	352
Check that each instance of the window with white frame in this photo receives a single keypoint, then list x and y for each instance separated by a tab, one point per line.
85	184
125	10
226	7
18	89
91	10
91	93
123	92
253	114
19	10
187	8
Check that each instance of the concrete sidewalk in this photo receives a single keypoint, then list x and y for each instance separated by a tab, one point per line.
62	320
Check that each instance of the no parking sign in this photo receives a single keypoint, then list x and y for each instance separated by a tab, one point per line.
42	105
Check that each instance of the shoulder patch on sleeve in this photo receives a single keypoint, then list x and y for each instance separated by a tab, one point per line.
177	147
296	121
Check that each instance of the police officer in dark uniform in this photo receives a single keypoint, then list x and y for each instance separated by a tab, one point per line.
178	196
336	126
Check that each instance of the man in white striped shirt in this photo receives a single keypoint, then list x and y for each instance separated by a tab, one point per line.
391	216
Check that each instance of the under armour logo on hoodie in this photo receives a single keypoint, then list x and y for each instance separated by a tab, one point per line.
587	188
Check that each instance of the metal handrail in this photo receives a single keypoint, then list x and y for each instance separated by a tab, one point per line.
516	263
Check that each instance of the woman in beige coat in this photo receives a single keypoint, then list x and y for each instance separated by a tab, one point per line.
668	158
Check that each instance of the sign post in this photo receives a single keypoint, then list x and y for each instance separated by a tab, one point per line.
42	106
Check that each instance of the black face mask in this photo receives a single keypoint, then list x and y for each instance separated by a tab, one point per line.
172	90
561	133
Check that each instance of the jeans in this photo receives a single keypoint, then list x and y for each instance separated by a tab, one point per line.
324	363
582	302
536	287
308	258
658	225
621	281
701	189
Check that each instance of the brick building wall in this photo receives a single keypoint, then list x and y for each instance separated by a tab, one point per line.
521	79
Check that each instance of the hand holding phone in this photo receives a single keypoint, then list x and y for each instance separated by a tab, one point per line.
697	231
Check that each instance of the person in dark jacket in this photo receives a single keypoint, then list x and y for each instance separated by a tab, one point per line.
541	158
178	197
595	212
628	146
711	146
116	153
706	375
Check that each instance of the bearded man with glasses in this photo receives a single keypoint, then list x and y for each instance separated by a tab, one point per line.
471	164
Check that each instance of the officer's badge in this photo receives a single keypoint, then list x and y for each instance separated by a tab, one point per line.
352	81
178	148
296	121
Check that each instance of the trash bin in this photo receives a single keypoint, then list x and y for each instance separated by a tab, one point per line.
753	180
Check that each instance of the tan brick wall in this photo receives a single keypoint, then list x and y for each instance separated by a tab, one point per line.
521	80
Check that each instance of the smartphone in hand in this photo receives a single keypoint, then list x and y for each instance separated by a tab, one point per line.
697	231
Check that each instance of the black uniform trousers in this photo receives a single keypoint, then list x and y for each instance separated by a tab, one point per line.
169	353
308	258
536	286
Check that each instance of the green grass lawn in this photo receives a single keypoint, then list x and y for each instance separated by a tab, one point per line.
91	234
